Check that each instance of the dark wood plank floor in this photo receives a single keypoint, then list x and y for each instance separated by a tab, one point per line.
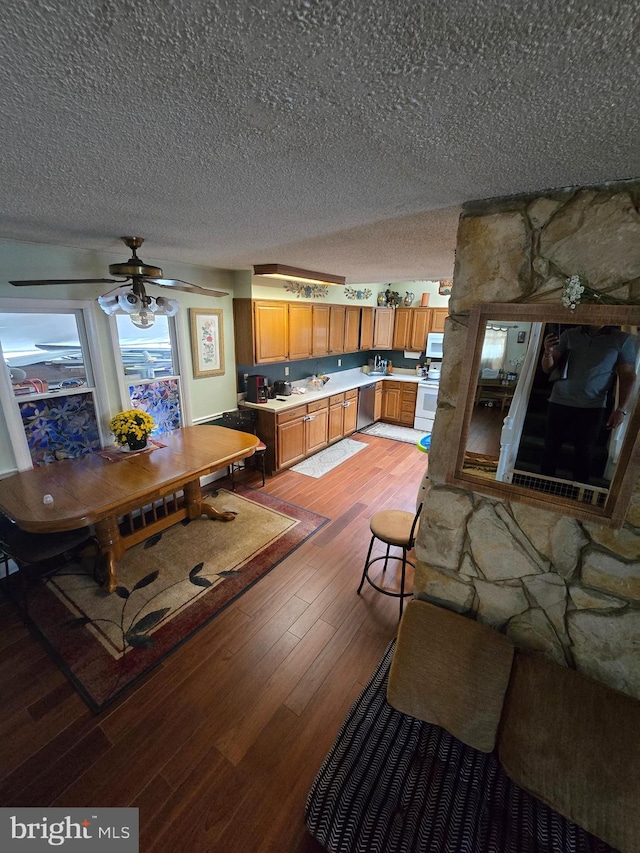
219	745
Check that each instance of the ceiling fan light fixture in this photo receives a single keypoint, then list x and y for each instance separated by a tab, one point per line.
285	273
109	304
166	306
129	302
143	319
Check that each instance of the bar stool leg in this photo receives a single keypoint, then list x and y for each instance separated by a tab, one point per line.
402	579
366	564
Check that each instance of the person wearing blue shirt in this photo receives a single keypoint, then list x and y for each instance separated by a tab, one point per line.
588	360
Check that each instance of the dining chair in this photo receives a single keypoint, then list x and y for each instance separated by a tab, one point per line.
37	555
245	420
395	528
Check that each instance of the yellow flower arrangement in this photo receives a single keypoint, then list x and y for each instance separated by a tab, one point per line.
134	424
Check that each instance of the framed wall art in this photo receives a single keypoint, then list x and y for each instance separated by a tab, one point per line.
207	341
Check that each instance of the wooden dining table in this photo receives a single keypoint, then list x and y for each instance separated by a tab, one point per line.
127	500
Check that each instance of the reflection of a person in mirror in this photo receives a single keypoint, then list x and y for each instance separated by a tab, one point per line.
589	358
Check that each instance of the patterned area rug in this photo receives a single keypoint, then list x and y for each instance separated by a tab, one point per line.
396	433
169	587
321	463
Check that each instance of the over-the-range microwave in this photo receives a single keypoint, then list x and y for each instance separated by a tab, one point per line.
435	342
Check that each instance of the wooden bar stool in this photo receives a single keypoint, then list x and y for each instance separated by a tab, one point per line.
396	528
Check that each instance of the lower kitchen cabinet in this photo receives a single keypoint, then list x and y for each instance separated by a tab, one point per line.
343	414
399	402
295	434
377	404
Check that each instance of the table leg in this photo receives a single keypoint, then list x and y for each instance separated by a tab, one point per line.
196	507
111	547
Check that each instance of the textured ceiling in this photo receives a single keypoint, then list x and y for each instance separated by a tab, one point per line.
331	134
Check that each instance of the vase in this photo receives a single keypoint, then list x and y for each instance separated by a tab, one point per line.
134	443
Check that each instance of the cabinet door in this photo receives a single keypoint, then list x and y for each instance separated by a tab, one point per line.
351	328
271	321
336	328
383	328
377	402
402	328
316	430
350	413
336	418
438	316
366	328
421	319
291	441
300	328
391	404
320	342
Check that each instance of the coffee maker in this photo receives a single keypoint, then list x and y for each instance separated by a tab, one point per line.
257	389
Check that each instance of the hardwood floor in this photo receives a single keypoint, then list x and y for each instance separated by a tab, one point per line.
219	745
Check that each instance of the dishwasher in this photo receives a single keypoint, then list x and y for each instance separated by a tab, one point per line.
366	405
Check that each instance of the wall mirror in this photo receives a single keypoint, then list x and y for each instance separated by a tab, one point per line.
502	426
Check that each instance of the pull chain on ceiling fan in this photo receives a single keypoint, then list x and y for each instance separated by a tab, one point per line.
129	295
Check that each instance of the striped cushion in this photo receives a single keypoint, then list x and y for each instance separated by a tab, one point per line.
392	783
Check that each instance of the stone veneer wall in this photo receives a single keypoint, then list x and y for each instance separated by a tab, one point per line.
563	586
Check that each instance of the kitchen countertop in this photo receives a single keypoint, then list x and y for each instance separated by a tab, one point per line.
346	380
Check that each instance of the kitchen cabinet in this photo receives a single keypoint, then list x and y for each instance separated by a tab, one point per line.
438	316
351	341
399	402
261	331
377	404
336	329
366	328
316	422
383	328
270	331
343	414
300	330
299	432
290	437
320	330
350	411
410	328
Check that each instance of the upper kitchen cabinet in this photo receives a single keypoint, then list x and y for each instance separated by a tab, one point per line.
300	330
438	316
366	328
336	328
261	331
383	328
351	328
411	326
320	330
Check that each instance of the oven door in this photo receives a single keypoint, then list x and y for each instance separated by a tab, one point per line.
426	406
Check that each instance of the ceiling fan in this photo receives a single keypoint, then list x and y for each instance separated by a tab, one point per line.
133	300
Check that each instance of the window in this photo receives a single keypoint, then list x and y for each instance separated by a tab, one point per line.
493	348
50	400
150	371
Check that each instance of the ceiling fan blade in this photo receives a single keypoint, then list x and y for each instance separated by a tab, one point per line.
177	284
64	281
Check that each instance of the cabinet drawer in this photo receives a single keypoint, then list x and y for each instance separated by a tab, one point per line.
336	398
317	406
390	385
351	395
292	415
